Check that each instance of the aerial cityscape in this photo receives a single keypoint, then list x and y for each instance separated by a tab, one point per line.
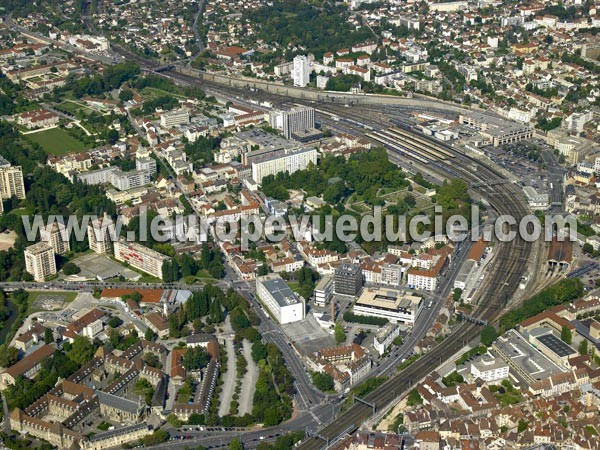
311	224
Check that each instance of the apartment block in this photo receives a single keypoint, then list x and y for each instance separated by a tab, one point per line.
296	119
301	71
140	257
283	161
55	234
100	232
39	261
174	118
11	180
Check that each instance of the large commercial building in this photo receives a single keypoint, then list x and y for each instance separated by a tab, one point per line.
389	304
100	234
283	161
301	71
284	304
140	257
525	362
39	261
174	118
495	130
294	120
11	180
347	279
55	234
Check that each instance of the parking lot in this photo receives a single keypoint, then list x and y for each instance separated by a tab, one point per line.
308	336
100	267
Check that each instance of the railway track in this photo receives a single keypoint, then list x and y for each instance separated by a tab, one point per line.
505	273
507	268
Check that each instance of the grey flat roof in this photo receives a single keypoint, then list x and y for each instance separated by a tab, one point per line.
323	283
280	291
488	362
523	354
556	345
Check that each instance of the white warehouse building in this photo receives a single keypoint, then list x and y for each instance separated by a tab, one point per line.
283	304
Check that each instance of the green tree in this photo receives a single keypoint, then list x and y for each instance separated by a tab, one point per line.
71	269
82	350
152	360
126	95
583	347
259	351
523	424
323	381
114	322
339	333
150	335
457	294
112	136
195	358
48	336
8	355
414	398
196	419
158	437
566	335
488	335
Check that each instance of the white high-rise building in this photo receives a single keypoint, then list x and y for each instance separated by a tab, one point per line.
100	232
55	234
296	119
11	180
301	71
39	261
576	121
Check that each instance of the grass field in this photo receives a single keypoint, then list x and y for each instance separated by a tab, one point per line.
56	141
77	109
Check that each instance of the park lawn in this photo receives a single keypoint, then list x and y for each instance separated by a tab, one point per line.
56	142
21	212
78	110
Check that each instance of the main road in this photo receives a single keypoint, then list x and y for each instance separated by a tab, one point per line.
507	268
